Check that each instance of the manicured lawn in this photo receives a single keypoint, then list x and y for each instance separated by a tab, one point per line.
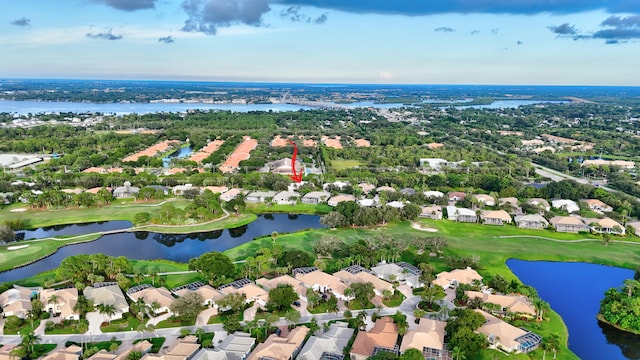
344	164
290	209
71	327
221	318
356	305
35	249
230	222
118	210
24	328
319	309
125	324
102	345
170	323
396	299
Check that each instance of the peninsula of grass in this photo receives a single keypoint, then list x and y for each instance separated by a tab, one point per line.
318	209
35	250
230	222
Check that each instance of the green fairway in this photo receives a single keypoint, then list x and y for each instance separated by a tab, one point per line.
119	210
344	164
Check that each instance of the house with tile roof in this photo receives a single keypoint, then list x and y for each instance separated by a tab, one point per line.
322	282
297	285
151	295
507	337
508	303
568	224
495	217
251	291
316	197
401	272
485	200
382	337
428	337
461	214
531	221
182	349
17	301
108	294
236	346
60	302
433	212
281	348
327	345
358	274
605	225
597	205
209	295
451	279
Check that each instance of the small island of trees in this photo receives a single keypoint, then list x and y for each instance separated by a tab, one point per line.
621	306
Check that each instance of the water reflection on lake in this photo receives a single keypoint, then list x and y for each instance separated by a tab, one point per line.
175	247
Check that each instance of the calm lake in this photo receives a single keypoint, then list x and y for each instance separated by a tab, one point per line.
175	247
574	291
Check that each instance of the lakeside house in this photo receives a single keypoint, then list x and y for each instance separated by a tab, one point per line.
260	196
230	194
502	335
286	198
126	191
297	285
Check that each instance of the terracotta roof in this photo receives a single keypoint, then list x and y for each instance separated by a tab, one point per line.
67	299
332	143
242	152
363	277
206	151
362	143
152	150
320	278
297	285
383	334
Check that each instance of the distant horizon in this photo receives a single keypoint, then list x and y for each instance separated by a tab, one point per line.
327	84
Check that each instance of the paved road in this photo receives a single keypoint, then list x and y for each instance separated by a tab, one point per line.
558	176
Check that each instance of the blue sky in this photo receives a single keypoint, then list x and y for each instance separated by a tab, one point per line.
555	42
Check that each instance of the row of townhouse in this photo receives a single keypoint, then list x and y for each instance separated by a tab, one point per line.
531	221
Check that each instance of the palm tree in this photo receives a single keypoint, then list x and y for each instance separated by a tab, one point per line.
540	306
631	285
55	300
107	309
26	347
457	353
553	342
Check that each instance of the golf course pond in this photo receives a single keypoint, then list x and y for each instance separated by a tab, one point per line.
144	245
574	291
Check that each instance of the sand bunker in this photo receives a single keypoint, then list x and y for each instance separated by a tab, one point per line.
18	210
18	247
421	228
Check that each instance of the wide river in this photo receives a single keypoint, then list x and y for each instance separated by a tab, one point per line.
574	291
39	107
